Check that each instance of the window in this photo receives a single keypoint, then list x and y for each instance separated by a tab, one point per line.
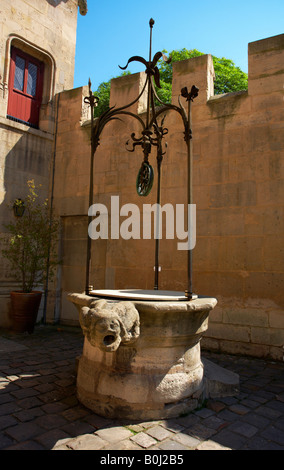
25	88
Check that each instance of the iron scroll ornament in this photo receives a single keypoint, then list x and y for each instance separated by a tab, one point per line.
151	136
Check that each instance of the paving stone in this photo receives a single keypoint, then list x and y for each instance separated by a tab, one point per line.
78	427
259	443
243	428
172	445
173	426
29	414
62	444
239	409
65	382
188	420
149	424
87	442
43	388
204	413
7	421
280	423
214	422
9	408
26	384
127	444
114	434
30	402
268	412
72	414
276	405
250	403
230	439
259	399
6	398
215	405
5	441
186	440
211	445
28	445
200	432
227	415
52	408
274	434
12	378
256	419
265	395
97	421
49	439
135	428
3	379
143	440
53	395
24	431
229	400
279	397
50	421
159	433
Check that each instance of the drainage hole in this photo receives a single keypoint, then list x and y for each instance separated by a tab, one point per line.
109	339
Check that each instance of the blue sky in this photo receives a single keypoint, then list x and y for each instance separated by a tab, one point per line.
114	30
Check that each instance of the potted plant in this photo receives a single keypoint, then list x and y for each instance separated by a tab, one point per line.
32	255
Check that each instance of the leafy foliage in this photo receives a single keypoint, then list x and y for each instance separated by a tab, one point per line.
228	78
32	242
103	93
166	71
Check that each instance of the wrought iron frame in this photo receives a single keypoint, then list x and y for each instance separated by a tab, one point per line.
151	136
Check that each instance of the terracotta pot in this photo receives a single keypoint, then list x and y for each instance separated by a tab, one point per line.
25	308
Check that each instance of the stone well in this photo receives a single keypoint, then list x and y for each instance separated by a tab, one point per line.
141	357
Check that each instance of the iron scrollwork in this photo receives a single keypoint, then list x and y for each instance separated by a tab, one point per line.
152	135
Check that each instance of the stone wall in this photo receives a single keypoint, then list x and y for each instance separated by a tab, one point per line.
45	29
238	143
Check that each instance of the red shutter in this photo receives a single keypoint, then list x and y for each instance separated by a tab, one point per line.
25	87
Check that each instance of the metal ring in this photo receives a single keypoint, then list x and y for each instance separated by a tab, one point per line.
145	179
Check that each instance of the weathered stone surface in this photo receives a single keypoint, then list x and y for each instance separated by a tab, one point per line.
107	324
219	382
114	434
161	374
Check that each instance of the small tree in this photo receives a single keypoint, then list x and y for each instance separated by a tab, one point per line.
228	77
32	244
103	92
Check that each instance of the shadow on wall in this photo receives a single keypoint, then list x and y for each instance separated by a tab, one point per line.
82	4
55	3
28	159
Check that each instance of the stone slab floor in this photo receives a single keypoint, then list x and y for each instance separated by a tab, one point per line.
39	409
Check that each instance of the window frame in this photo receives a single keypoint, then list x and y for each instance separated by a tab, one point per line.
19	101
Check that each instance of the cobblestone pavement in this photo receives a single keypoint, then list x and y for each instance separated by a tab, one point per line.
39	409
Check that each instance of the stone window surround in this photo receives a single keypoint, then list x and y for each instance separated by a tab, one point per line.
38	53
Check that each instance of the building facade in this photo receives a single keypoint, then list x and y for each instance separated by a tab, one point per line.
37	57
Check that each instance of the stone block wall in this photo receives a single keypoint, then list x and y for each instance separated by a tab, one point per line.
238	145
